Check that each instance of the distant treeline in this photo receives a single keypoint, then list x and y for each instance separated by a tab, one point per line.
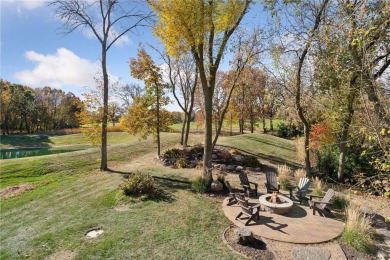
28	110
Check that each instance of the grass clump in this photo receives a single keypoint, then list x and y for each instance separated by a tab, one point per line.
358	231
284	173
318	189
298	174
141	185
200	185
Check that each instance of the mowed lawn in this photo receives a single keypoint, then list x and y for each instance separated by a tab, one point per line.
71	196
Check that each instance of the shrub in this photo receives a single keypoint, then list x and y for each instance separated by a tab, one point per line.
181	163
250	161
358	231
117	128
288	131
226	156
141	184
339	203
284	173
173	153
234	152
196	149
200	185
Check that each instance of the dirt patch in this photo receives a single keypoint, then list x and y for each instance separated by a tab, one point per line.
256	250
62	255
15	190
122	208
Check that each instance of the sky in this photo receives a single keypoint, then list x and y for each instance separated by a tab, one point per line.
34	53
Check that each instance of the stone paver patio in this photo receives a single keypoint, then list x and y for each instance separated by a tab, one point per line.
298	226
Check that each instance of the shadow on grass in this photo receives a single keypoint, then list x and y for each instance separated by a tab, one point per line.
26	140
256	139
271	158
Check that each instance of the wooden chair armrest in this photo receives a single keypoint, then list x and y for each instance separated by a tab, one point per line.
244	185
254	183
320	202
291	187
256	206
315	196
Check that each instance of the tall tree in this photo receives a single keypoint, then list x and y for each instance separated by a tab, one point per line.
183	81
350	65
108	20
143	68
203	28
303	27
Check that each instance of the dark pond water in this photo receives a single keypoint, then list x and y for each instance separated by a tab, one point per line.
20	153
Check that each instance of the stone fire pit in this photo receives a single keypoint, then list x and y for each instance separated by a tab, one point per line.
282	206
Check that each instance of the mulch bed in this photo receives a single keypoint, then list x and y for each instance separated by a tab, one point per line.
256	250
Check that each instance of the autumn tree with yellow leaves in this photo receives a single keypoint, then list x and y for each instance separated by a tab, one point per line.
204	29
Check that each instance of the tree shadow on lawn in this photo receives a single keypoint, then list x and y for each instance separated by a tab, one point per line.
268	157
26	140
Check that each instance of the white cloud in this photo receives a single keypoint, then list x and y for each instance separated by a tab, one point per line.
32	4
27	4
64	68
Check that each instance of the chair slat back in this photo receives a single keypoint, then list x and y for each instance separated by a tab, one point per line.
328	196
243	204
244	178
303	184
272	180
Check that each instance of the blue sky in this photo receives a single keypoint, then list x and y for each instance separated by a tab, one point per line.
33	53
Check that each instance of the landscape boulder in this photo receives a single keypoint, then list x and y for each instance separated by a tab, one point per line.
243	236
231	168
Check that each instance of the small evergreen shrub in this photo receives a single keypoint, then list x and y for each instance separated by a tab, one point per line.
200	185
250	161
141	184
288	131
339	203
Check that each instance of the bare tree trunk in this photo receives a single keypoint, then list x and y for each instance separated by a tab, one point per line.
103	163
158	121
208	144
231	124
189	119
183	128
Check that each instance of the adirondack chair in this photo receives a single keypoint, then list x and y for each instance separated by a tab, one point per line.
272	182
232	194
247	213
246	184
302	187
321	206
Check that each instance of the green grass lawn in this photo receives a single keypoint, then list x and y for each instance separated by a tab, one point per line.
71	196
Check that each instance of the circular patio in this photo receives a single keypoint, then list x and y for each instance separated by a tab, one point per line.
298	226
